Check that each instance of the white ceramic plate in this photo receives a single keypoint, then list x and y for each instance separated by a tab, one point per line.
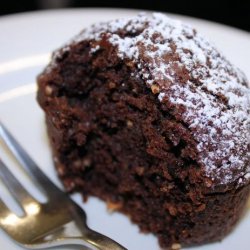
25	43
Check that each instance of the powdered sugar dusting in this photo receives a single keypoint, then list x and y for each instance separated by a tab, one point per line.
189	73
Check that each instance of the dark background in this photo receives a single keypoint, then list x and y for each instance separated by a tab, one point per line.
232	12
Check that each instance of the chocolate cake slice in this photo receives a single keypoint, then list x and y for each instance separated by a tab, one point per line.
147	115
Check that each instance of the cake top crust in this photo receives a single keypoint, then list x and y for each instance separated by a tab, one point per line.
186	72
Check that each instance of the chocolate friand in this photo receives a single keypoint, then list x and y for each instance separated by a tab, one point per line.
147	115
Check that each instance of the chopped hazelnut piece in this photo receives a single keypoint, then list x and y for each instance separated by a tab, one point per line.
155	89
176	246
86	162
113	206
48	90
129	124
112	85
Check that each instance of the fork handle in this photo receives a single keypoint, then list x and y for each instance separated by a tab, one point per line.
90	240
99	241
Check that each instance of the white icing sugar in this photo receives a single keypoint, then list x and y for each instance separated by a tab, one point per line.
213	93
161	96
247	176
94	49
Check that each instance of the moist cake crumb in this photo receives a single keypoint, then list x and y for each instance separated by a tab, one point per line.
149	116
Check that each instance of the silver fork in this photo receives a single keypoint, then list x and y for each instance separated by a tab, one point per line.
57	222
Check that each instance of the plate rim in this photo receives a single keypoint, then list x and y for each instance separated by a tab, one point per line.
28	14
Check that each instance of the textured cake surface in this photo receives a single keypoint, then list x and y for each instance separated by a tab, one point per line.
178	63
157	120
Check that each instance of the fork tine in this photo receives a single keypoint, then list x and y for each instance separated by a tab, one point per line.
14	186
24	159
